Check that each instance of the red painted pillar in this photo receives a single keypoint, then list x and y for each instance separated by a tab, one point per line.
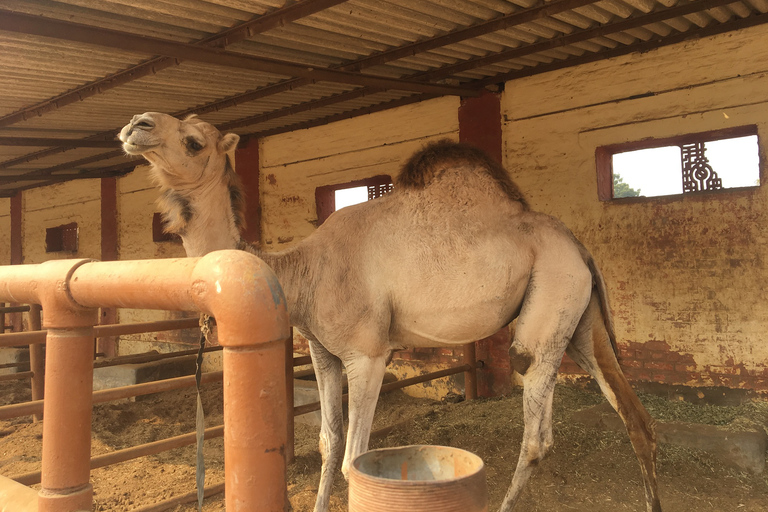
17	252
480	125
247	167
109	252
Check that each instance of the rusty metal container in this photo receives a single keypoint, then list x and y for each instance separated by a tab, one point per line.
418	479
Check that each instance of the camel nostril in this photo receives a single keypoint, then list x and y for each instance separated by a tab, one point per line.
144	124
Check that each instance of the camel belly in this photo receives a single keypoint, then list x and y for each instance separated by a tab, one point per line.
446	329
446	319
459	307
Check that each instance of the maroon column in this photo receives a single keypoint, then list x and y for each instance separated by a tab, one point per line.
480	125
247	167
109	252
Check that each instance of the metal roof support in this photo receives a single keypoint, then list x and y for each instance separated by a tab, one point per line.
278	18
39	26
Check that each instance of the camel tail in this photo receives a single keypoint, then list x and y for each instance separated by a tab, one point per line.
602	293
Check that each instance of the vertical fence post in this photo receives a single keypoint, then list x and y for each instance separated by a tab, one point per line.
65	483
36	357
470	376
289	446
2	318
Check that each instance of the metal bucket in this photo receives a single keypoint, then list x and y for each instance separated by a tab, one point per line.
418	479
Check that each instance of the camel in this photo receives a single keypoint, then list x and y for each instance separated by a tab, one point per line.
452	255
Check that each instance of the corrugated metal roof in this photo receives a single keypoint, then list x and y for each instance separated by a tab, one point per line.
72	72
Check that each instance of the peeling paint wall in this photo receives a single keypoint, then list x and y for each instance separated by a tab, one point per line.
5	231
294	164
687	276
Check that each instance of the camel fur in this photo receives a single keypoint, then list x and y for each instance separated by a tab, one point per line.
452	255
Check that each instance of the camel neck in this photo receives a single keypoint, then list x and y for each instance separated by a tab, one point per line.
292	270
210	224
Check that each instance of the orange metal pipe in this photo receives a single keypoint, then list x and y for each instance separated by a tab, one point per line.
111	394
13	339
134	452
67	430
223	284
17	376
36	357
66	435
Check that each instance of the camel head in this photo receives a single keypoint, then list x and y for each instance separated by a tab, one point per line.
184	154
194	165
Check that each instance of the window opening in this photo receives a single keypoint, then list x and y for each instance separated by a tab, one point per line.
349	196
62	238
680	165
330	198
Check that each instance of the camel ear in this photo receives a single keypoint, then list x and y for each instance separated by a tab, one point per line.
228	142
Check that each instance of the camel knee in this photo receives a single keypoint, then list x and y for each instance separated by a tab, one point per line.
537	449
520	359
329	445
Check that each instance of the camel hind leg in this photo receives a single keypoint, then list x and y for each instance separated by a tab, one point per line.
551	310
592	350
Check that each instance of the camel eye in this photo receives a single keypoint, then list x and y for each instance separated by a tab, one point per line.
193	145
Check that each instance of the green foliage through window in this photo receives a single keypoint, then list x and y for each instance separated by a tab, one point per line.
621	189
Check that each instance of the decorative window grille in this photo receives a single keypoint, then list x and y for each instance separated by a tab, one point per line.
687	164
379	190
697	173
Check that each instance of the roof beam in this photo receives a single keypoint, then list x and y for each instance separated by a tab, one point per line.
45	27
647	46
60	143
542	68
541	10
584	35
503	22
96	172
236	34
282	17
346	115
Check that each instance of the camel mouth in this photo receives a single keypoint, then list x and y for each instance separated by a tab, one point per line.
137	149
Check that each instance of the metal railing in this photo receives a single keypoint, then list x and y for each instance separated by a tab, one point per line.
36	338
221	284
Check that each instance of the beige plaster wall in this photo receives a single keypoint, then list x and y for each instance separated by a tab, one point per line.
74	201
294	164
687	275
5	231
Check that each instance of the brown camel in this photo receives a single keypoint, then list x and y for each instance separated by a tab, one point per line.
451	256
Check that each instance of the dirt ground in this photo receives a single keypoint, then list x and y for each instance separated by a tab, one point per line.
588	469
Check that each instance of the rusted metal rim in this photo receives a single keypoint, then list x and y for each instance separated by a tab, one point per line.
418	478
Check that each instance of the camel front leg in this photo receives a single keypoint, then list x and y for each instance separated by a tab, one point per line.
329	384
364	376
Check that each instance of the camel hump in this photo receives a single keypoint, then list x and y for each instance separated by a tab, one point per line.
435	158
